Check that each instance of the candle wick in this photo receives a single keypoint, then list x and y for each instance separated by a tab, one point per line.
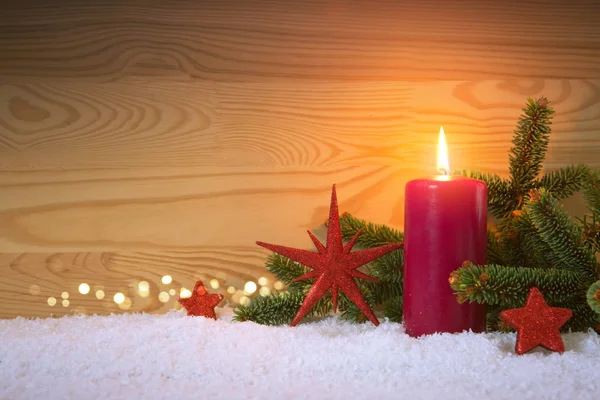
444	171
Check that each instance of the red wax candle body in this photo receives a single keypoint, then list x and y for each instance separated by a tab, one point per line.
445	224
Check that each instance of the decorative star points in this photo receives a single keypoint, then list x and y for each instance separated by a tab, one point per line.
537	324
334	266
201	303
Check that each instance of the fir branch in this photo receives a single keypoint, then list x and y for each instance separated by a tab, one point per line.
591	231
530	142
501	199
533	248
380	292
494	250
372	235
593	297
510	244
286	270
509	286
591	190
393	309
353	314
563	236
591	223
375	294
564	182
278	308
371	291
493	321
583	317
389	268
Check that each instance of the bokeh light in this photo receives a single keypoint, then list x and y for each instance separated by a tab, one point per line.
84	288
126	304
119	298
144	289
163	297
250	287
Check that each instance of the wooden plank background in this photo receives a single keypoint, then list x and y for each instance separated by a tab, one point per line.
141	139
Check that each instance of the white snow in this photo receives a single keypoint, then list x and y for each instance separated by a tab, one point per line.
142	356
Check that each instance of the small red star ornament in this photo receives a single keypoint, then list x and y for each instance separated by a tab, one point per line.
201	303
334	266
537	324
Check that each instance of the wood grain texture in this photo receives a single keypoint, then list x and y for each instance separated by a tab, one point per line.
29	280
89	210
142	123
140	138
237	40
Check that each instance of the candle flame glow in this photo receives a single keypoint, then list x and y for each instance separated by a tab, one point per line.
443	165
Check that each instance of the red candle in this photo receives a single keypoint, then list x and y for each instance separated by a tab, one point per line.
445	224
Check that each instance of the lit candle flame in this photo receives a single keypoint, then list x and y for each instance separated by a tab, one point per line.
443	165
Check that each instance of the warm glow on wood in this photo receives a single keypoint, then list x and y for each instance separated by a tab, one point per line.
443	165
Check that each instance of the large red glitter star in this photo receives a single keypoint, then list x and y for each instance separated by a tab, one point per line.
537	324
201	303
334	265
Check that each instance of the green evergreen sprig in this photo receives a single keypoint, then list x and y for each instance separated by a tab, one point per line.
393	309
287	270
495	255
530	142
564	182
534	251
591	190
501	195
563	238
372	235
505	197
276	309
526	157
508	287
591	222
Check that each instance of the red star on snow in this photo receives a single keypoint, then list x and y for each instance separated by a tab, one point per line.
201	303
334	265
537	324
